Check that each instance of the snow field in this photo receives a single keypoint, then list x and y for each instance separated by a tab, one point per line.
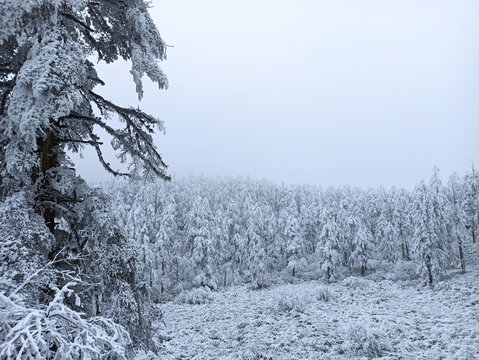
357	318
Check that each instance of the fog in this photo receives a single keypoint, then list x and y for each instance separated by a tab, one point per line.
321	92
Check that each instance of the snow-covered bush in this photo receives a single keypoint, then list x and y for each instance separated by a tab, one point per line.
367	340
466	352
289	303
255	355
354	282
324	294
443	286
400	271
259	283
195	296
55	331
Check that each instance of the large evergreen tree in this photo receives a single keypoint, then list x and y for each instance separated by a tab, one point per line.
49	104
49	92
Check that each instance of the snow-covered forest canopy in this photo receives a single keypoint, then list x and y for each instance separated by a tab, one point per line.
209	234
138	267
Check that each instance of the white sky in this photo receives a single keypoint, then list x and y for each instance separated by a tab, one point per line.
337	92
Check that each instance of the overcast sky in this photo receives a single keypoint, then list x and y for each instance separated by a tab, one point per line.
337	92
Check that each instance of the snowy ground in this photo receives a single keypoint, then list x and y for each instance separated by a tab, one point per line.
363	319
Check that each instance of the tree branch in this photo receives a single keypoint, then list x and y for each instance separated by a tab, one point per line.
90	142
79	22
127	144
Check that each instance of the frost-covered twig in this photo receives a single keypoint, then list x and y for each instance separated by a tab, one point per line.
57	331
36	273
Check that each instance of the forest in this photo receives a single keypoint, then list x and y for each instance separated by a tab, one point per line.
207	234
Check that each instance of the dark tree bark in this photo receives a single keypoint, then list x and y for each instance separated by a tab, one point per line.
48	154
429	269
473	230
461	257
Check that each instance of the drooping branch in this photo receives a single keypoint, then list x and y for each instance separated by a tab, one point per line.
107	165
134	141
146	120
129	115
102	159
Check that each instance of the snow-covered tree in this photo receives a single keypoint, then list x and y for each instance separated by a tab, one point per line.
165	257
348	219
402	221
49	95
362	248
429	231
456	216
49	105
201	244
390	227
294	240
471	183
308	221
257	261
223	246
327	248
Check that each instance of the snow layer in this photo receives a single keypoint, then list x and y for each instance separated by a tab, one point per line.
363	318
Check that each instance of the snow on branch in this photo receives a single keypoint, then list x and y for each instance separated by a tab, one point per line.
56	331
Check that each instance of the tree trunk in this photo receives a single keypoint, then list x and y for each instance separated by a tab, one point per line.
48	154
408	257
47	147
473	230
461	257
429	269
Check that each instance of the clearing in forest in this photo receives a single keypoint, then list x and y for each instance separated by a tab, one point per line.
378	316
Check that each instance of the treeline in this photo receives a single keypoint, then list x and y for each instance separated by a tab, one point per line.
209	233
